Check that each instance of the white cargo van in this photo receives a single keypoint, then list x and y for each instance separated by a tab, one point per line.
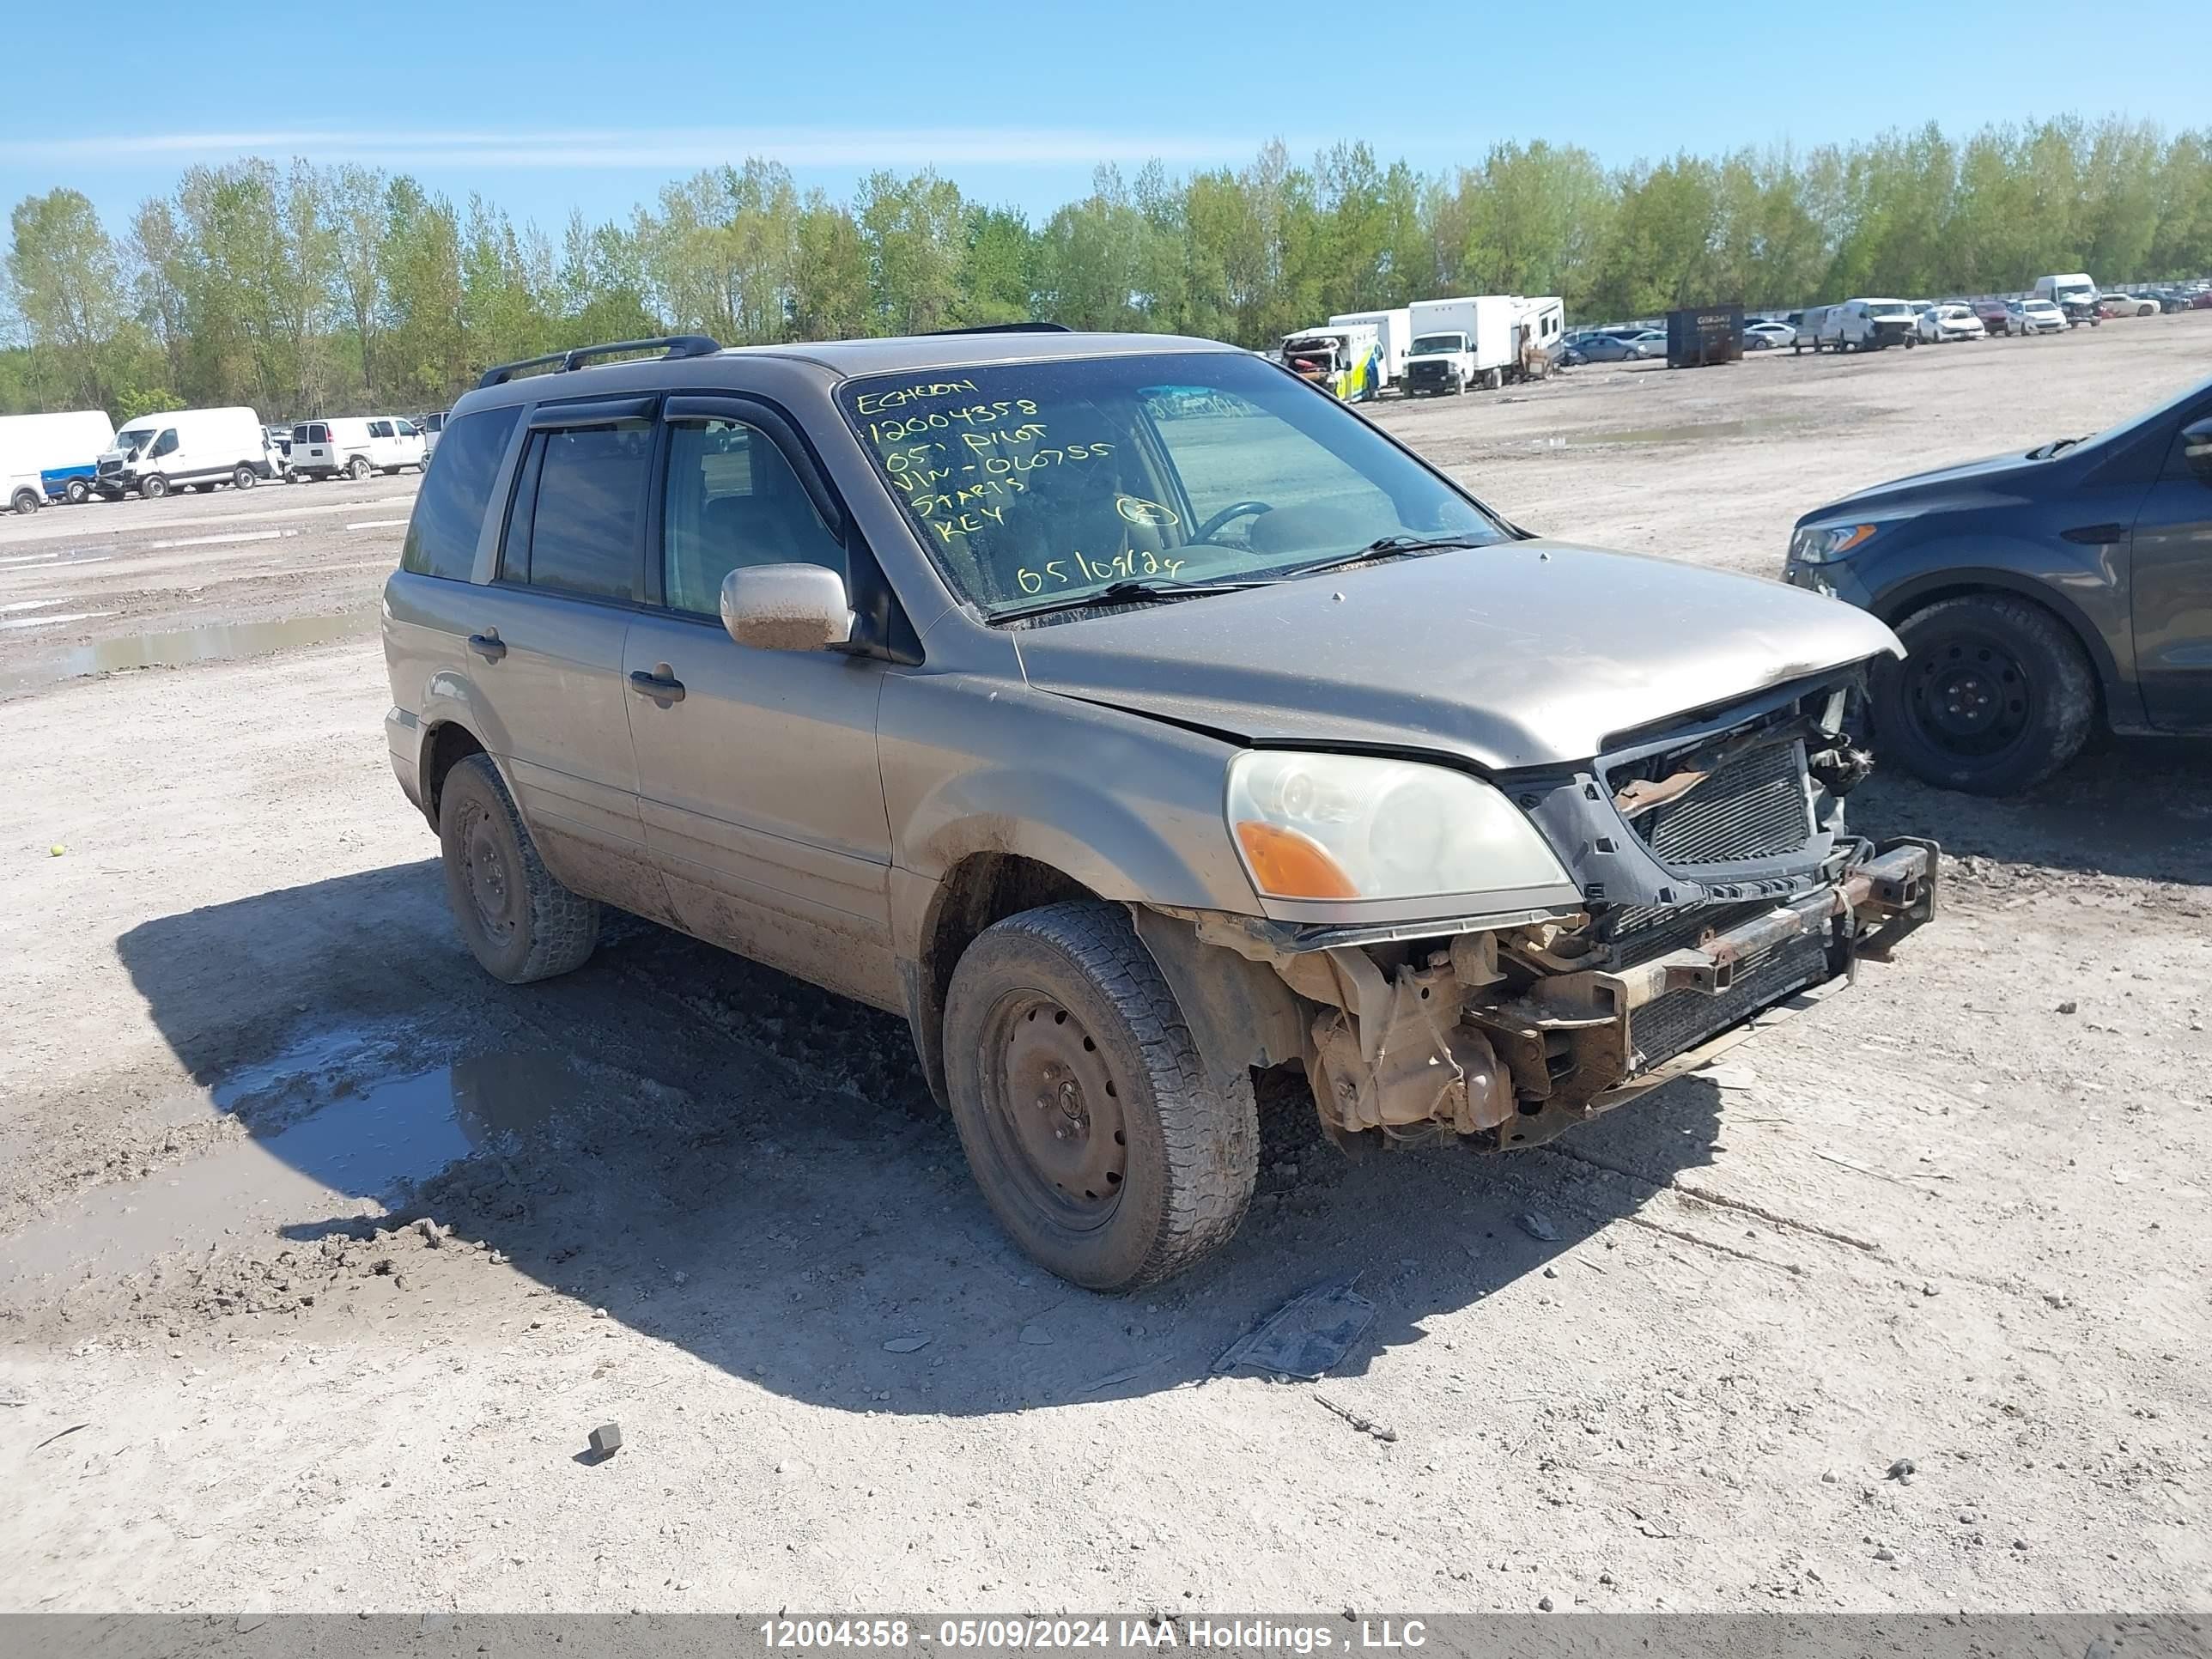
1460	342
1870	324
187	449
355	446
1393	333
51	458
2071	287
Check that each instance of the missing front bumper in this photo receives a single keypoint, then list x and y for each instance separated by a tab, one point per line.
1576	1044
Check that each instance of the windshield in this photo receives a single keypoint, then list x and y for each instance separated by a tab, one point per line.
2041	307
1428	343
1033	482
2075	290
1887	309
135	439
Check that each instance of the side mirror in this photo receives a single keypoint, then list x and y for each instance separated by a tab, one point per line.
2196	448
787	607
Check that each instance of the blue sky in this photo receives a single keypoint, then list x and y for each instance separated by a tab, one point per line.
546	106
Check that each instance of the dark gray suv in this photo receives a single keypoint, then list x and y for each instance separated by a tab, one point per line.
2040	595
1129	715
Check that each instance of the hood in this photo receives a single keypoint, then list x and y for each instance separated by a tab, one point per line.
1995	478
1527	653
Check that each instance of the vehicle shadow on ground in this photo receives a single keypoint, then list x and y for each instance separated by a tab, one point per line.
2136	807
749	1168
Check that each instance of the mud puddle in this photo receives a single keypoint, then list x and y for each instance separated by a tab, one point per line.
182	648
352	1157
1687	432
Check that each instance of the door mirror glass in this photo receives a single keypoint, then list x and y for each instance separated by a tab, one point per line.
2196	448
787	607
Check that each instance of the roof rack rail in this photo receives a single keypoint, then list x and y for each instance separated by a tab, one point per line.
678	345
1008	328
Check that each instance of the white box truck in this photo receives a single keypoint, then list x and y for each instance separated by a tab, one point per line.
1459	343
51	458
187	449
1394	334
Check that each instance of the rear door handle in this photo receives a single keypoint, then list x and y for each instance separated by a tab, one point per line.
2094	535
661	685
490	647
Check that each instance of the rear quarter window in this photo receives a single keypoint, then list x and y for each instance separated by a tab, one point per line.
449	509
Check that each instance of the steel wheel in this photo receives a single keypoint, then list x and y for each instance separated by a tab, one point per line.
1055	1110
1970	696
490	886
1995	695
1086	1112
518	921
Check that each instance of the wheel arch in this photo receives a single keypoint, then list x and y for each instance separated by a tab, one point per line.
982	888
2115	691
446	744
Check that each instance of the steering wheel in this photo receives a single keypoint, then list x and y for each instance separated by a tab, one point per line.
1234	510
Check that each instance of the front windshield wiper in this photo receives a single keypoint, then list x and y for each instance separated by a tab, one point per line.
1129	591
1383	547
2045	451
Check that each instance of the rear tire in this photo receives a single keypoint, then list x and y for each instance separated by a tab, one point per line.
517	920
1995	696
24	503
358	469
78	492
1057	1019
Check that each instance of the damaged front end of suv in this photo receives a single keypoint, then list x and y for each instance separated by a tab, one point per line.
1711	889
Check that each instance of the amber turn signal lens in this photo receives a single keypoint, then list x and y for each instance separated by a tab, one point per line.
1287	865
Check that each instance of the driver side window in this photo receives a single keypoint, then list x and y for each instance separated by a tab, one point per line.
1228	450
733	501
167	443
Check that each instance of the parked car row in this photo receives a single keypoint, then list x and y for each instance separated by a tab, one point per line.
73	456
2059	302
1630	344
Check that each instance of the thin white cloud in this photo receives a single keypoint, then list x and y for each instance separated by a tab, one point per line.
648	148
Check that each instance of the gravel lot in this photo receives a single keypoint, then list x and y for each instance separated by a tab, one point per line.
1958	1216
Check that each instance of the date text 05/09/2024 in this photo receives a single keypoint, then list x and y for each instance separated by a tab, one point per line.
1102	1634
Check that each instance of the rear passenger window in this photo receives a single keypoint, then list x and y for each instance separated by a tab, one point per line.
449	509
733	500
581	510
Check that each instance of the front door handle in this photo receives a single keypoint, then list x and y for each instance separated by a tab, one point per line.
2094	535
661	685
490	647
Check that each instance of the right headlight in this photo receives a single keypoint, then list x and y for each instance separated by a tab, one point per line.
1348	827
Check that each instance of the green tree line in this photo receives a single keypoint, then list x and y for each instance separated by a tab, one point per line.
302	289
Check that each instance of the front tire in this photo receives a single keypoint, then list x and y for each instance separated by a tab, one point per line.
153	488
517	920
1090	1122
244	477
1995	696
78	492
24	503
